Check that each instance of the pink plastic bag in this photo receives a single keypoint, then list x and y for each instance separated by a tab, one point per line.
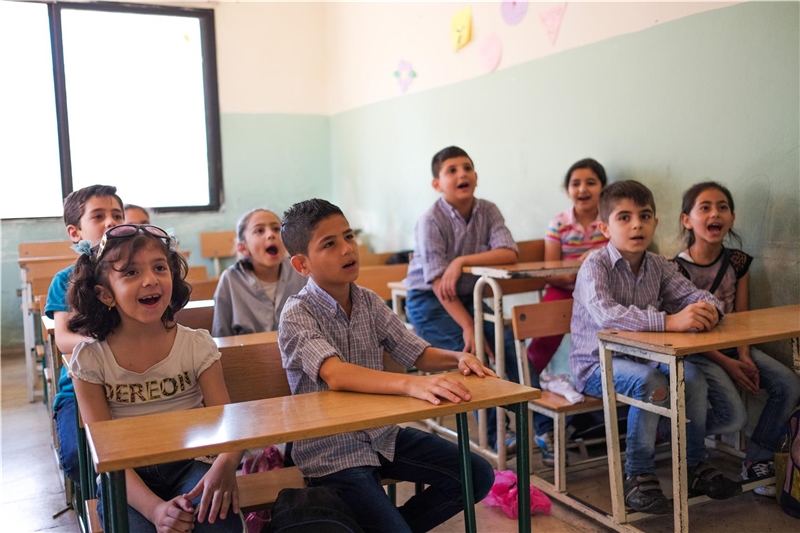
269	458
504	495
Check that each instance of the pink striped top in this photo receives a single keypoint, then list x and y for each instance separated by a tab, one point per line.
575	239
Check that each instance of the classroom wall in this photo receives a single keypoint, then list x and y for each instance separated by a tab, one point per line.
275	134
709	96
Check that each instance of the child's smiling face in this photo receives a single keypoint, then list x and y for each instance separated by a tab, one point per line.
457	180
262	240
711	217
584	189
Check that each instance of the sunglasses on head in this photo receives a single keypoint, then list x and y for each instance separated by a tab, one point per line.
125	231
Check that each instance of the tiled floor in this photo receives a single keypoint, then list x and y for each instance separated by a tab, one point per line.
32	492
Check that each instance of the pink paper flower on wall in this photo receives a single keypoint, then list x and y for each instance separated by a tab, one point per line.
405	75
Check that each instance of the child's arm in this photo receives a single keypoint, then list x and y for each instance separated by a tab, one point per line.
349	377
223	308
447	286
218	486
436	359
66	339
459	314
176	514
552	252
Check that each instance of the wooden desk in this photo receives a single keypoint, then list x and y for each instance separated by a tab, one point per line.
266	337
736	329
490	275
119	444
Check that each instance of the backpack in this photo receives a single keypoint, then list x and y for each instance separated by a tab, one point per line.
311	510
790	489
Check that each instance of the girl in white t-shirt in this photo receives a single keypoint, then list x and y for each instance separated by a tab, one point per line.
125	294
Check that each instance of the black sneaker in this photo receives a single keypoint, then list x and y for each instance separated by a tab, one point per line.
643	494
705	479
760	470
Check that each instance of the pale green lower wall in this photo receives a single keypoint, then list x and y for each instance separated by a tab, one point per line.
268	160
711	96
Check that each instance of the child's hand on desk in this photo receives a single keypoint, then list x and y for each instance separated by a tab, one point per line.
469	364
432	388
219	489
176	514
699	316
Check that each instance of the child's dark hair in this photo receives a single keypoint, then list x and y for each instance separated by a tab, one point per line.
75	202
624	190
300	220
144	210
592	165
689	199
91	317
443	155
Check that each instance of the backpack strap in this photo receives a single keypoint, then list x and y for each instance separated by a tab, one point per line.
726	258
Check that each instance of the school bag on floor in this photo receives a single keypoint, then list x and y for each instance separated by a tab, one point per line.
790	491
311	510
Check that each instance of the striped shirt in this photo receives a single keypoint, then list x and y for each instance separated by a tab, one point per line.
608	296
575	240
314	327
442	235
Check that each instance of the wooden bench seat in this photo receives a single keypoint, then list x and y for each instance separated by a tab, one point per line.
558	404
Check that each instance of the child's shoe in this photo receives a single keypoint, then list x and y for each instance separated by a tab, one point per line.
760	470
511	443
643	494
545	442
705	479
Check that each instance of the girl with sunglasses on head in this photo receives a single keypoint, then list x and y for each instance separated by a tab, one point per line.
125	292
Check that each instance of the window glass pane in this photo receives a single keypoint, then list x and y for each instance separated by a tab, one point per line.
29	163
136	107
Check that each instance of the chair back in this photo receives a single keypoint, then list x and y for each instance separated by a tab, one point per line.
254	372
198	314
538	320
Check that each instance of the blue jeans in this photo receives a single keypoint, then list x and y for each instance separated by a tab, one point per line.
433	323
728	412
167	481
639	381
67	431
420	457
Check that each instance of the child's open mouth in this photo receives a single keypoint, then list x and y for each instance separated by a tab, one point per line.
463	185
150	301
715	228
584	198
351	264
272	250
638	238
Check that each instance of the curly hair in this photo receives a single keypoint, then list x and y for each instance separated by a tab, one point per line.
91	317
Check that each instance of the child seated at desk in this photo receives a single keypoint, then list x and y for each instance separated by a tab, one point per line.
458	230
125	292
707	216
623	286
332	336
88	212
135	214
251	294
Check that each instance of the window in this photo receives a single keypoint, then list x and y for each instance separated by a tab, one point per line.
131	101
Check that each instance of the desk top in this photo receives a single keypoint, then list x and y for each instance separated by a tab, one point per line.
539	269
155	439
736	329
265	337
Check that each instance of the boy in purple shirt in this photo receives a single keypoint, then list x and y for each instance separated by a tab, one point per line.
332	336
623	286
457	231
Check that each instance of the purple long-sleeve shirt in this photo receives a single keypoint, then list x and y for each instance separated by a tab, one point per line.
608	296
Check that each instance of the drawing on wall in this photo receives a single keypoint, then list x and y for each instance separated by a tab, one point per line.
491	52
551	20
513	12
405	75
461	28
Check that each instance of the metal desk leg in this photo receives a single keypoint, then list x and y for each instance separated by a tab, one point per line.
466	473
680	482
115	507
523	467
612	435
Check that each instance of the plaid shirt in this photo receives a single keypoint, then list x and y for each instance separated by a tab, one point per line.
608	296
442	235
314	327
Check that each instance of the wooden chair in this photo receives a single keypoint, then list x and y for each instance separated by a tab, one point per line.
377	278
204	289
46	249
544	320
217	245
198	314
196	273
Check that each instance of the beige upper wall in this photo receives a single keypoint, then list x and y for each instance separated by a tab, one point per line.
367	40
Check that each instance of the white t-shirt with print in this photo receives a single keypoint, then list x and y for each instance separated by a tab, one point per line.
169	385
